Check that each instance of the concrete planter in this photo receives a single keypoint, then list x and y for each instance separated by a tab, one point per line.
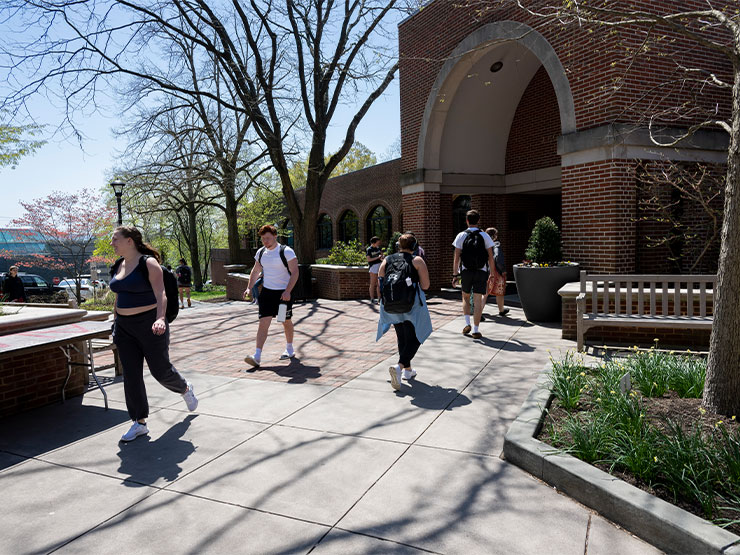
538	289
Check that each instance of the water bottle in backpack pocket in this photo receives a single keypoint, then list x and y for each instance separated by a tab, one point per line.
400	284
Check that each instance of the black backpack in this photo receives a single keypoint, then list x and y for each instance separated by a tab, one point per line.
474	252
184	274
398	296
170	286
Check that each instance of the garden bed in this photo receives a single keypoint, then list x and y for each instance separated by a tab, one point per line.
655	436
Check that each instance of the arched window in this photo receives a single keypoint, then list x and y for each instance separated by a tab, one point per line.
460	207
348	227
379	224
324	237
287	235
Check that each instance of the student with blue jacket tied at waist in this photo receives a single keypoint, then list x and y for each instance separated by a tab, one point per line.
403	278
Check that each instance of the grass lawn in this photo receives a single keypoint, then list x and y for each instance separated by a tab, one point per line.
654	434
212	292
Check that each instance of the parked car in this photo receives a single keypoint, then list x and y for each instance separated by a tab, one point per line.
33	284
86	288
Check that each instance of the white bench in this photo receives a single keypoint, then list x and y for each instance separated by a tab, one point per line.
632	301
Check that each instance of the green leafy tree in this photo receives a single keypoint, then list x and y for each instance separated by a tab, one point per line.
13	145
358	157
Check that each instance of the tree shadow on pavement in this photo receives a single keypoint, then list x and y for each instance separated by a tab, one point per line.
146	461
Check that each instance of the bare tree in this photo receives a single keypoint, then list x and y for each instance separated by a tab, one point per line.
680	209
290	64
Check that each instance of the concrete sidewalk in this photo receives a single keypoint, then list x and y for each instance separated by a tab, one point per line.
295	467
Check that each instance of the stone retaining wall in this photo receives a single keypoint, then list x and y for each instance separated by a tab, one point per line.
340	282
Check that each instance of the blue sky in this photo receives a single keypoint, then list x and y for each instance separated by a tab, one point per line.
63	165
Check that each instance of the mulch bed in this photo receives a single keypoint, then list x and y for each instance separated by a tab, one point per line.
659	410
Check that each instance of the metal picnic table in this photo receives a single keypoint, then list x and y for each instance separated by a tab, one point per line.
65	337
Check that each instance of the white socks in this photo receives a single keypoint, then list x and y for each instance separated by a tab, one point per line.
257	354
467	319
475	329
289	349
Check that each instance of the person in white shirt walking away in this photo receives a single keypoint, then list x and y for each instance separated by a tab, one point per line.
278	266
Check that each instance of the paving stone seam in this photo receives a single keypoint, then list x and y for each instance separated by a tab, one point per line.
268	427
413	444
395	542
658	522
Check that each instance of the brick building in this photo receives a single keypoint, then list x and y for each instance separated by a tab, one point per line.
360	204
521	120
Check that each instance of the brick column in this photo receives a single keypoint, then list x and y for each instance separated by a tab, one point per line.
599	215
421	214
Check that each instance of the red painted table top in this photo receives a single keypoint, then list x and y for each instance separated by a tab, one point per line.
33	340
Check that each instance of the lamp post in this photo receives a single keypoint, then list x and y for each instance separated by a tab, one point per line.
118	186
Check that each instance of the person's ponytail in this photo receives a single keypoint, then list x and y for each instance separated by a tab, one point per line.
130	232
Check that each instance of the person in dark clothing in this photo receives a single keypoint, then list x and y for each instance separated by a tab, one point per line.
374	257
140	329
13	287
184	281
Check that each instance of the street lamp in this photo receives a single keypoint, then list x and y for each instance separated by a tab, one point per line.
118	186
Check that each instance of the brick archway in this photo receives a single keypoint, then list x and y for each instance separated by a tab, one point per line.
498	38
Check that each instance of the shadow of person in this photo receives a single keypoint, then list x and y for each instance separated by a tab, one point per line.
295	370
506	345
432	397
145	461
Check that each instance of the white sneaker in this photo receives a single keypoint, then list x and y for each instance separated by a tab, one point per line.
135	431
395	372
190	399
286	355
409	374
251	359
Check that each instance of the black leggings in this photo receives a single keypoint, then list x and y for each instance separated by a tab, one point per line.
408	344
135	342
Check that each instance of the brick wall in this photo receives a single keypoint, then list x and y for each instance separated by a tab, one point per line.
236	284
533	139
361	191
29	381
340	283
220	258
599	215
594	61
422	215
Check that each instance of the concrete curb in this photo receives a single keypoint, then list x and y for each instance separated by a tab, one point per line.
664	525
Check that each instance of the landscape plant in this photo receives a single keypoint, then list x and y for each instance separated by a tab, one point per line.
544	245
347	254
692	460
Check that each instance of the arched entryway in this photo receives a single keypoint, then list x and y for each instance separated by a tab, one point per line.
489	133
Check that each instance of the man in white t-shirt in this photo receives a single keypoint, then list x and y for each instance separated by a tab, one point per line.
473	258
278	266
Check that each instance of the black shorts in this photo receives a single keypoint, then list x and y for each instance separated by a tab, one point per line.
269	302
188	285
477	280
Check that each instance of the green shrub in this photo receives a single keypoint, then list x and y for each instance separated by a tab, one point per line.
650	372
391	248
686	376
544	244
347	254
589	435
567	380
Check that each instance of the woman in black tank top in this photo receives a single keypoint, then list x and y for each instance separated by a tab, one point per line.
140	330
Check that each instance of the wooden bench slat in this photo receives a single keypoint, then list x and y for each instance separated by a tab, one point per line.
617	296
667	286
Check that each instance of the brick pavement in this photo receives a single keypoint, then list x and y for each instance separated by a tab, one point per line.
334	340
